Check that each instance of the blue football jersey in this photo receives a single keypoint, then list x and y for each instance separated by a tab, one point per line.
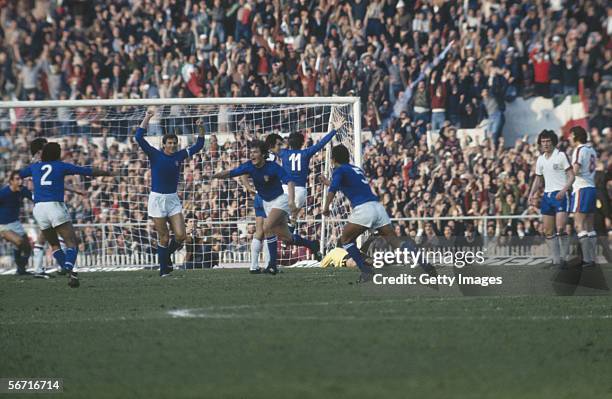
48	178
297	162
10	203
166	169
351	181
268	179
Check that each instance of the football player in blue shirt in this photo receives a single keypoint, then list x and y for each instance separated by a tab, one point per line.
268	178
367	213
11	199
274	141
296	161
50	211
164	205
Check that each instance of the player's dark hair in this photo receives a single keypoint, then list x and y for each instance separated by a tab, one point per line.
579	134
272	139
51	152
548	134
37	145
169	136
261	146
13	174
296	141
341	154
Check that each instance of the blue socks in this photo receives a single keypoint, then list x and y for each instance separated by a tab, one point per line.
301	241
60	257
272	243
71	255
162	255
355	254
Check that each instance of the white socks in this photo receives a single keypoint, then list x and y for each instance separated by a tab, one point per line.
553	246
38	254
255	250
563	246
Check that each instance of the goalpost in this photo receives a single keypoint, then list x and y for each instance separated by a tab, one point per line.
110	213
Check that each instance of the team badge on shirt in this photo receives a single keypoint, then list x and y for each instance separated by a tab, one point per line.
266	178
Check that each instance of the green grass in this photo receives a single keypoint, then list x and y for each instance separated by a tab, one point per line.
301	334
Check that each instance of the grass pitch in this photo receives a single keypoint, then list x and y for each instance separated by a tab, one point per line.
301	334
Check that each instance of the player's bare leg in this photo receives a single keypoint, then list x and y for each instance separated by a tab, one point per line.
275	227
349	235
51	237
22	249
66	231
177	225
163	237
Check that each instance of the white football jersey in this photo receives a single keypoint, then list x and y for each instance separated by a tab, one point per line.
586	157
553	169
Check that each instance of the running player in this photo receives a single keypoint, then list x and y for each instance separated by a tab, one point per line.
164	205
367	213
50	211
11	199
584	193
268	177
554	167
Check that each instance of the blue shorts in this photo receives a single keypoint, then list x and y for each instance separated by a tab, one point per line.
583	201
259	208
550	205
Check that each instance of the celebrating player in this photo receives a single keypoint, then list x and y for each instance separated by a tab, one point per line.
164	204
38	253
554	167
367	212
11	198
584	193
274	141
50	211
268	177
296	161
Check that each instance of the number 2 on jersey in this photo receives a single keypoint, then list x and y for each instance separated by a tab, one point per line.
296	162
43	179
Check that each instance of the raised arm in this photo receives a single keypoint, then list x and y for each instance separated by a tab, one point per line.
199	144
140	132
337	124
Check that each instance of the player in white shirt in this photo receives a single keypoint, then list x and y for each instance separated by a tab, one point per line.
554	167
584	194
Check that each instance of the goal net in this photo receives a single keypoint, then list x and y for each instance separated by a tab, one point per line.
110	213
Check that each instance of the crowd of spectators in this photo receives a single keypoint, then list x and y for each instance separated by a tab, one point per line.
416	65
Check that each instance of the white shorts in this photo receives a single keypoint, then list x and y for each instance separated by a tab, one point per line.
164	205
281	202
16	227
370	214
50	214
300	195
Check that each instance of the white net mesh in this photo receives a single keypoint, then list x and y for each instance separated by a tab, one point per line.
111	213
